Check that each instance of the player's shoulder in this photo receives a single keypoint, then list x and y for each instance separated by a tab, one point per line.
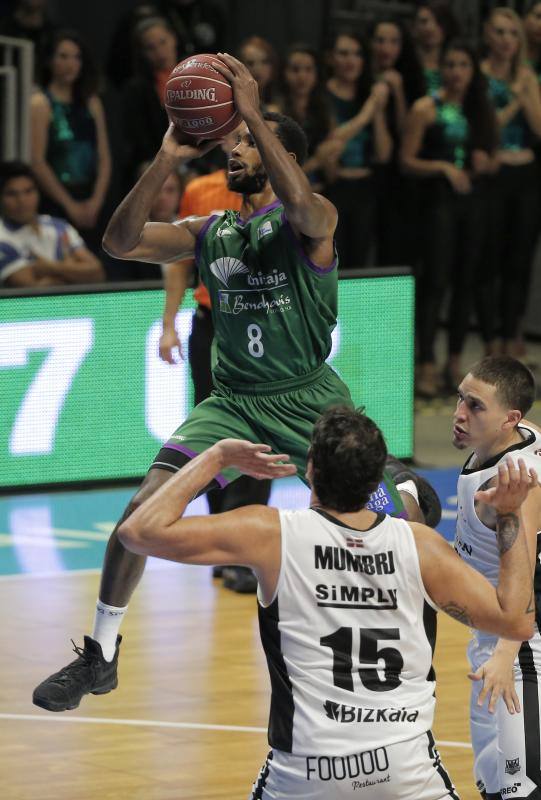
258	518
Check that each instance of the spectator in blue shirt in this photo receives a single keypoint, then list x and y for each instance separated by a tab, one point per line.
36	249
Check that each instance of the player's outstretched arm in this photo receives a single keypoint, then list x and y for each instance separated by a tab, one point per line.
464	594
130	236
236	537
310	214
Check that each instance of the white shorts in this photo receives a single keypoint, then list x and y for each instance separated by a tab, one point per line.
409	770
507	747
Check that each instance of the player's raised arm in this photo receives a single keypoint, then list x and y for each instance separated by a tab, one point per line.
130	236
157	528
507	609
311	215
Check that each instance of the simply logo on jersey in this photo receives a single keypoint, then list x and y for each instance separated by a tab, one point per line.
224	232
356	597
342	713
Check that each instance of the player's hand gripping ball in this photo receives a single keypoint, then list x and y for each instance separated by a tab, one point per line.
199	99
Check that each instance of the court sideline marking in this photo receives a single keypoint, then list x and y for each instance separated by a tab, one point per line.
156	723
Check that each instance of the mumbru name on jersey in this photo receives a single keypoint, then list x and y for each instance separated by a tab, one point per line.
341	713
341	559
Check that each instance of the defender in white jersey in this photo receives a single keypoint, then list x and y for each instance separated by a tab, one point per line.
492	400
347	602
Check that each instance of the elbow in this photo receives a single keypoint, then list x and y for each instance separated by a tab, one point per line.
520	630
132	537
112	247
128	535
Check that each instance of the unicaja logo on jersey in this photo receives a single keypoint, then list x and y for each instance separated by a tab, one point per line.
225	268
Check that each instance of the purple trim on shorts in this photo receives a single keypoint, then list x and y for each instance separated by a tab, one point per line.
310	264
201	235
259	212
220	479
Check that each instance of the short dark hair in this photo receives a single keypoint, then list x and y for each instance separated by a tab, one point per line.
348	454
14	169
515	384
290	134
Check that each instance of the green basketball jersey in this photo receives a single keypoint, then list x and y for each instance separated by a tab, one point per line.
273	309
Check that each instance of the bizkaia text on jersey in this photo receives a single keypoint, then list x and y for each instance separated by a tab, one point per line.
347	714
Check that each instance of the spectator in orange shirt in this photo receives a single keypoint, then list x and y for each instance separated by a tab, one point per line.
205	195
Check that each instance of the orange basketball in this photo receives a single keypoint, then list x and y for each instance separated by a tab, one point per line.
199	100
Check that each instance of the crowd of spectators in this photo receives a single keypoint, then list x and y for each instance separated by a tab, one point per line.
428	144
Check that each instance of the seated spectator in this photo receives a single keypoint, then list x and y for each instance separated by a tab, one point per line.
37	250
70	148
156	53
261	59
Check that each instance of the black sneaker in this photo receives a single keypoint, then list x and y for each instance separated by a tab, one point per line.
240	579
217	572
89	673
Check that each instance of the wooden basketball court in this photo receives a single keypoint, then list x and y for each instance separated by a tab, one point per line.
188	719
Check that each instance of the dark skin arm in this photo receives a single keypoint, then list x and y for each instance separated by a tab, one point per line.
130	236
311	215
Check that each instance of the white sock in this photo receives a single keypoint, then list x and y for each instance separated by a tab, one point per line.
106	626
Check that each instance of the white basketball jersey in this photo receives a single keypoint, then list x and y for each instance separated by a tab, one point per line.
474	542
349	637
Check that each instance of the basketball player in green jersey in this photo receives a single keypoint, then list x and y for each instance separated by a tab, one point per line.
271	274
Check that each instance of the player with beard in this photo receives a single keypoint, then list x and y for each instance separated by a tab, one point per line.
271	272
492	401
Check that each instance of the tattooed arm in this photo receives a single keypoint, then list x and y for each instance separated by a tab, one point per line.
465	594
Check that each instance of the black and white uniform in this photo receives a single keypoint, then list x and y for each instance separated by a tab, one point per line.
507	750
349	638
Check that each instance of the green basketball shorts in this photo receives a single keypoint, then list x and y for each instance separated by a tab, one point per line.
280	414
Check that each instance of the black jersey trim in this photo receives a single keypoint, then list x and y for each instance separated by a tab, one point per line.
262	779
442	772
530	439
282	705
430	622
530	709
379	519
